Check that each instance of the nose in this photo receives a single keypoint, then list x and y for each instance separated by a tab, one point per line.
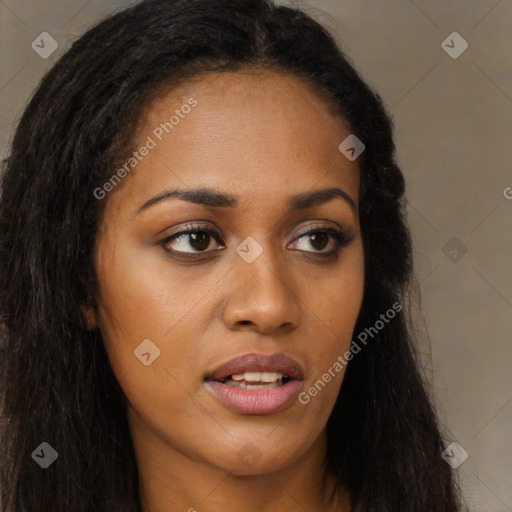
260	296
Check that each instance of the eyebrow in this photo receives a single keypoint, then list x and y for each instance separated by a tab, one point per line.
215	198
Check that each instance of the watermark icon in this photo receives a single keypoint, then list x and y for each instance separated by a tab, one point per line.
146	352
44	45
454	45
144	150
249	249
342	361
45	455
507	192
454	455
454	249
351	147
249	454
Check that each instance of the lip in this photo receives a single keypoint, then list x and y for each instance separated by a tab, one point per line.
254	362
257	401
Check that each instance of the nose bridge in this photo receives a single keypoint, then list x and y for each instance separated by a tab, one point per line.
265	271
261	292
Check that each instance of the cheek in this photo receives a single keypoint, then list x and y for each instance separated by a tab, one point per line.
141	298
137	303
143	312
333	307
336	298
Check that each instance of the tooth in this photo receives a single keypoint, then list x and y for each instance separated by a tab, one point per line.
257	376
252	376
270	376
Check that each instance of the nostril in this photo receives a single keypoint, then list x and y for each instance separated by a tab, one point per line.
244	322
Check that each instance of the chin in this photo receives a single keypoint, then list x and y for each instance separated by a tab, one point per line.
253	455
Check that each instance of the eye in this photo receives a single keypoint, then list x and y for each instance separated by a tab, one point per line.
322	240
195	239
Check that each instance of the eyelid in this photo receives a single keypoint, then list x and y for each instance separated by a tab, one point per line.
193	227
186	229
323	227
316	226
342	237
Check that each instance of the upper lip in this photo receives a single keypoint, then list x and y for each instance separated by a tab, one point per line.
254	362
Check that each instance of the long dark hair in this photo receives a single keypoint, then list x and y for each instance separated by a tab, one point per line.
56	383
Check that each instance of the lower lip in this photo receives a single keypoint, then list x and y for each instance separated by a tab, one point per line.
256	401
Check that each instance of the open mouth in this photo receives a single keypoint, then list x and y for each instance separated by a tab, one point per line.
255	380
257	383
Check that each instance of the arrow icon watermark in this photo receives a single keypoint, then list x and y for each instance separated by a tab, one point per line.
351	147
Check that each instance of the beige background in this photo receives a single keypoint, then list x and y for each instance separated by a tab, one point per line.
453	120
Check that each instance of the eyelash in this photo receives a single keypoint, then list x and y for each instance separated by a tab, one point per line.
341	239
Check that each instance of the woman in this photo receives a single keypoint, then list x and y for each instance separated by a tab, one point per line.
205	263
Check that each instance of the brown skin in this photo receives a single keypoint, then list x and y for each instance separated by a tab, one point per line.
260	137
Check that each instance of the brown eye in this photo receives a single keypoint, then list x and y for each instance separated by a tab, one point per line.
192	241
322	240
319	240
200	240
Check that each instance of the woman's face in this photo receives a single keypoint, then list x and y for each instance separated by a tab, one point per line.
256	262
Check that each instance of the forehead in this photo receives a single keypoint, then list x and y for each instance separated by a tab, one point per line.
256	134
